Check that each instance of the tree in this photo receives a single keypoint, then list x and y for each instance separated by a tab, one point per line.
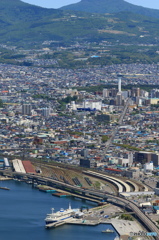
1	103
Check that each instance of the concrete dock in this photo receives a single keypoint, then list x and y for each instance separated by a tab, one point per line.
55	224
93	217
124	227
83	222
73	221
5	178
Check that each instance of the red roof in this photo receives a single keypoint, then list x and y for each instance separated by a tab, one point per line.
112	169
60	142
4	91
76	136
28	167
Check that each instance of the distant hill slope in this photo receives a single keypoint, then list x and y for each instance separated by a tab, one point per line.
15	10
23	24
110	6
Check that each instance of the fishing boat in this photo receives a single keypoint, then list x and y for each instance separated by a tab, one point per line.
108	231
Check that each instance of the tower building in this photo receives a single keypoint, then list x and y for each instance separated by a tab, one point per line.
26	109
119	84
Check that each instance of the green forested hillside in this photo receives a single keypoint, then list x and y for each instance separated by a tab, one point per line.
24	24
122	37
110	6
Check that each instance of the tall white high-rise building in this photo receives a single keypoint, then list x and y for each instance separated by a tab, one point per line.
119	84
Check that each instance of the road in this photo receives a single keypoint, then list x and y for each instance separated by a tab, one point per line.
110	140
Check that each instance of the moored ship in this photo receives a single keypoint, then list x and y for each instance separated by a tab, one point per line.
61	215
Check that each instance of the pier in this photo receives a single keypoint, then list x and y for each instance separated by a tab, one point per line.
63	193
97	195
122	227
96	216
73	221
55	224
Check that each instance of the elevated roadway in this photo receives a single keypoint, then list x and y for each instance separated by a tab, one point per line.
123	186
141	216
134	185
148	223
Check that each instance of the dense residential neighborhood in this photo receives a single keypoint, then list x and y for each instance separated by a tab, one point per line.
45	115
79	121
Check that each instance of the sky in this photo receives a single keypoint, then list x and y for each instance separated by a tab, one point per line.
59	3
51	3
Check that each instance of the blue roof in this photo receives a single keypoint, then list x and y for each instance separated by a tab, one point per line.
95	56
156	207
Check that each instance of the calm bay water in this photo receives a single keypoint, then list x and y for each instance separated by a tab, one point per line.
22	213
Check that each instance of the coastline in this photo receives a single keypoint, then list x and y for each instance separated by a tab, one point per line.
5	178
121	227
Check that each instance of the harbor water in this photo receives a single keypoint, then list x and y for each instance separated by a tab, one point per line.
23	210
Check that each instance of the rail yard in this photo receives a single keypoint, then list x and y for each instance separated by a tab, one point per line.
88	185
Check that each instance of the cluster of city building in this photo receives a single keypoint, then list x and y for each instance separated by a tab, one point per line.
33	124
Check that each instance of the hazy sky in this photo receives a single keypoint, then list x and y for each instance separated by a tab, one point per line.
60	3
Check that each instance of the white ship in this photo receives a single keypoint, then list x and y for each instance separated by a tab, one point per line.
61	215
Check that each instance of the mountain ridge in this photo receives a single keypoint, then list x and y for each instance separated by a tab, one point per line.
23	24
16	10
110	6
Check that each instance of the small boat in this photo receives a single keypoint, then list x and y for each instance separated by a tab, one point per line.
108	231
4	188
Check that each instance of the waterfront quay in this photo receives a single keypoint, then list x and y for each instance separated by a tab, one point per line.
115	200
107	214
99	215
